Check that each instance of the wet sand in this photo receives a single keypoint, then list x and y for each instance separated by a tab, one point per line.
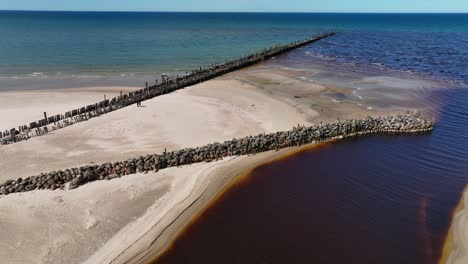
94	223
456	243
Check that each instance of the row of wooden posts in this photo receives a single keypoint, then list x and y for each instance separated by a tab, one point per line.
168	84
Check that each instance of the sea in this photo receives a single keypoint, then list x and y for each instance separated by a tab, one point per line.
60	49
380	199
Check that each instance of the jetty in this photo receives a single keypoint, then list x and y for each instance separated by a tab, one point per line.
298	136
166	85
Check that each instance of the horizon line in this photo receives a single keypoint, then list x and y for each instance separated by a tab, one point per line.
252	12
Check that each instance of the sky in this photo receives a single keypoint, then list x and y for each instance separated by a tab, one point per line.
384	6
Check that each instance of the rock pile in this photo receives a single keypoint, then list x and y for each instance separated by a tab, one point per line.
401	124
167	85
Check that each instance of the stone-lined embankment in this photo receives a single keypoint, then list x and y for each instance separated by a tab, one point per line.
402	124
168	84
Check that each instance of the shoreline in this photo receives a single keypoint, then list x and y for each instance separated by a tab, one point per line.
166	235
455	246
257	106
172	223
242	103
167	85
191	217
239	179
71	226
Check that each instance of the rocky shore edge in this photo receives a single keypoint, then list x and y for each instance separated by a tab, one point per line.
75	177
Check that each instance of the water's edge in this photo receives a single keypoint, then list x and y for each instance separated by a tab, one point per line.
449	243
238	180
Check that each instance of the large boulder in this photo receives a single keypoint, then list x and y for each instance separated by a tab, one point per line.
90	175
79	180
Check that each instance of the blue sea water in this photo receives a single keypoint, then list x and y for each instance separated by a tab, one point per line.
122	47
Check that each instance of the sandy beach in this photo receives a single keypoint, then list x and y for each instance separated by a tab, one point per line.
116	221
217	110
456	244
23	107
129	220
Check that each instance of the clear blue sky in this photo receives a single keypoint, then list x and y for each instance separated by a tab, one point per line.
242	5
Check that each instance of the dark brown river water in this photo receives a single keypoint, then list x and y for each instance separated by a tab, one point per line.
381	199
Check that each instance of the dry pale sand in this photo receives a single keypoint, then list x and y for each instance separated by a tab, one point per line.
23	107
456	244
130	219
213	111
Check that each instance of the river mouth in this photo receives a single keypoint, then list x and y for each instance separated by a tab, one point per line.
382	199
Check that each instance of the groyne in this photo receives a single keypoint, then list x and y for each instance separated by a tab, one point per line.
75	177
166	85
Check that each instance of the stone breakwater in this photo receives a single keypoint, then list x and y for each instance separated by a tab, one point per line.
168	84
74	177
